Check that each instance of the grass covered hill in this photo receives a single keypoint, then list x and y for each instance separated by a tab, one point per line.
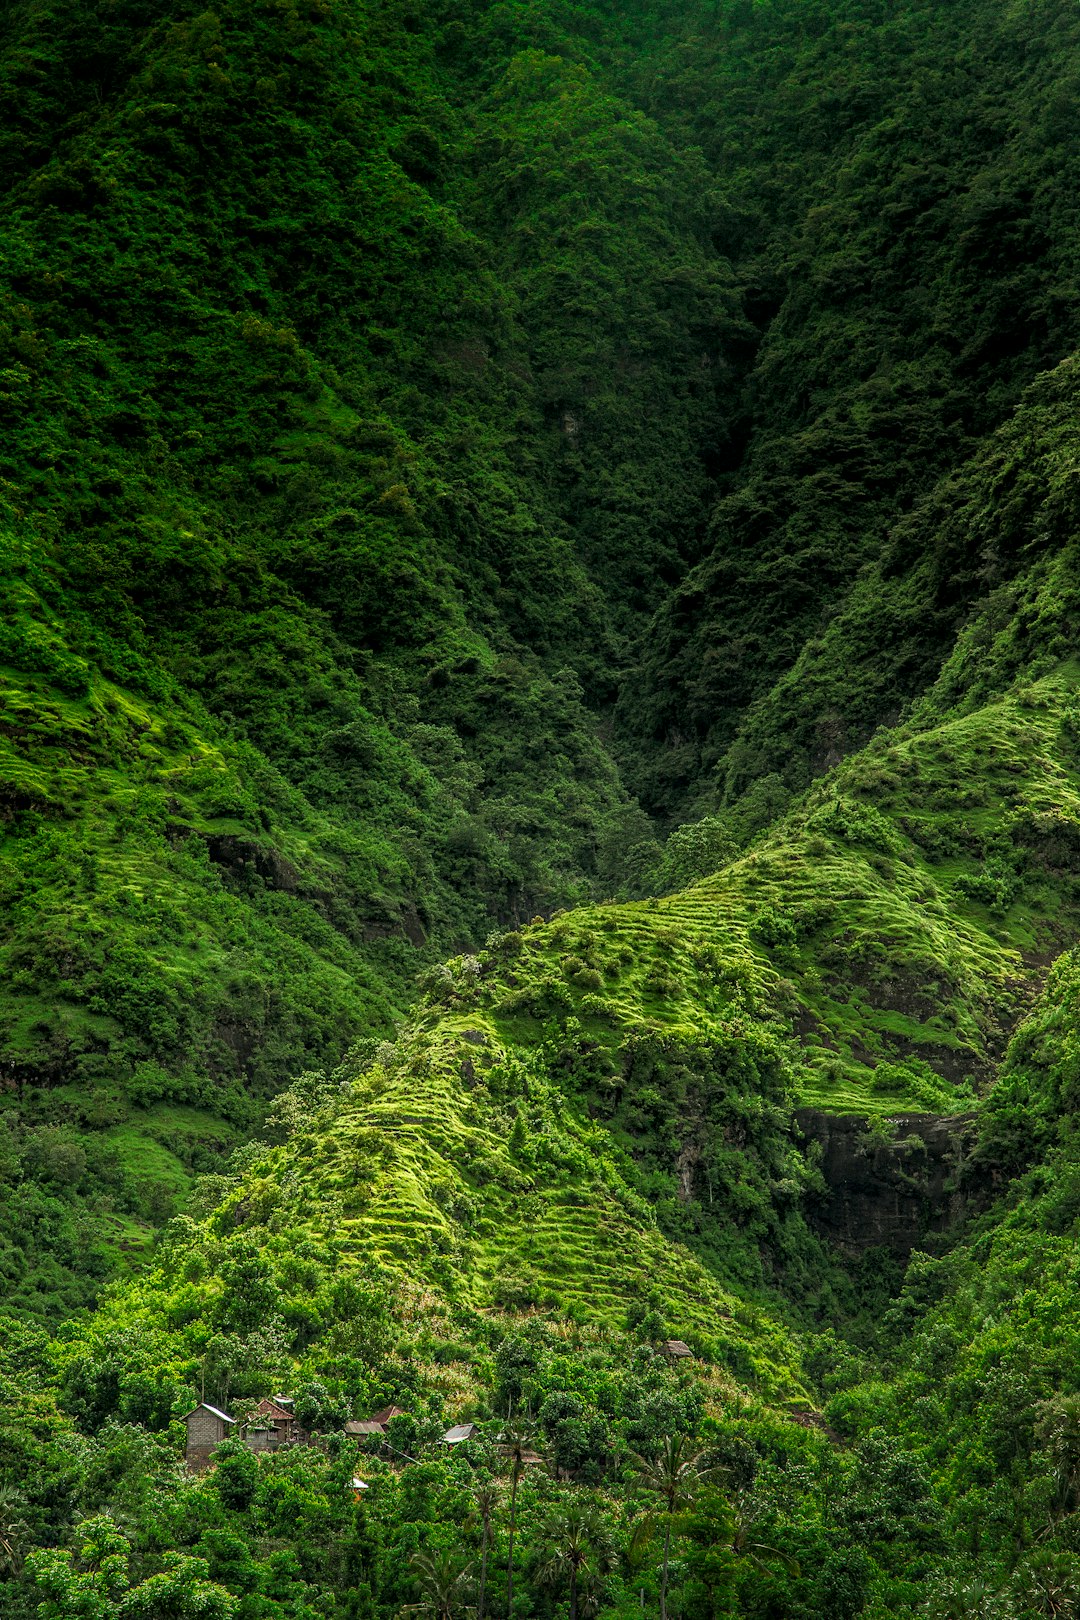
324	525
539	696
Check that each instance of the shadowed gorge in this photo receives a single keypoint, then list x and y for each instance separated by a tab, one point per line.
539	810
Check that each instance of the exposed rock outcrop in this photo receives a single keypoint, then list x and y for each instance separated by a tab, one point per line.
887	1182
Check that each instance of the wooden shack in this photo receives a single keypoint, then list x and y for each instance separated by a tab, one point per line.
527	1459
677	1350
207	1427
378	1423
387	1416
272	1425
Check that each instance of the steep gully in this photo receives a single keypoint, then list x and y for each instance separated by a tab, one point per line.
888	1186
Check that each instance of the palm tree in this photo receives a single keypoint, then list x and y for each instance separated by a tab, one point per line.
745	1518
1058	1431
1048	1585
515	1444
973	1600
637	1547
674	1476
577	1545
443	1582
13	1527
487	1498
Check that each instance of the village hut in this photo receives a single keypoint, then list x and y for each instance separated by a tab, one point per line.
207	1427
378	1423
387	1416
460	1432
273	1425
677	1350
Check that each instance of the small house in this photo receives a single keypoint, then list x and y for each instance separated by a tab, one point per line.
207	1427
528	1459
273	1425
359	1486
460	1432
387	1416
677	1350
378	1423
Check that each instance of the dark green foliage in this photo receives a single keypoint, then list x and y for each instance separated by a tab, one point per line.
910	266
599	480
320	509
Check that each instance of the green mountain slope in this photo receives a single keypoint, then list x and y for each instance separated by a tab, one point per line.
312	515
915	260
538	696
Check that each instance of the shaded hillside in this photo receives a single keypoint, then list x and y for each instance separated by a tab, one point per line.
916	266
371	376
539	808
312	509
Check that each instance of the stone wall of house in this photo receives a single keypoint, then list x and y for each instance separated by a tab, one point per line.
204	1432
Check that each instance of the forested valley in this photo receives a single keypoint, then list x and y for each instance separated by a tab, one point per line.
539	809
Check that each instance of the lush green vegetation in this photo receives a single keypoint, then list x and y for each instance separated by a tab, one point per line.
537	670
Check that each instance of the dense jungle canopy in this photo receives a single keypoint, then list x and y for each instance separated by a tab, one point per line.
540	807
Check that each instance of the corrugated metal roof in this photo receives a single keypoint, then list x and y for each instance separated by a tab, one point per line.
204	1406
460	1431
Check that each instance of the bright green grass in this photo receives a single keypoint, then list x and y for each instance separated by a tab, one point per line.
833	950
886	960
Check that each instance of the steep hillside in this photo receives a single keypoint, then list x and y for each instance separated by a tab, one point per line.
540	807
314	547
585	1142
915	260
371	378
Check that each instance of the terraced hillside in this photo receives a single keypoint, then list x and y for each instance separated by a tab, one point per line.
540	808
891	929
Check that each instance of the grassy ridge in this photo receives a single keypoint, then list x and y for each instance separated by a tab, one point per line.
896	922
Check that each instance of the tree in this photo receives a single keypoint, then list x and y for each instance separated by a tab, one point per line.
966	1600
181	1592
746	1515
696	850
487	1498
709	1528
576	1546
86	1585
1049	1584
236	1474
316	1408
13	1528
675	1477
443	1583
94	1583
515	1442
1058	1432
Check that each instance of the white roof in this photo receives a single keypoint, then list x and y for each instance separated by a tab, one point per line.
360	1485
204	1406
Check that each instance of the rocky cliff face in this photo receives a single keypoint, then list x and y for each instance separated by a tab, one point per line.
887	1183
